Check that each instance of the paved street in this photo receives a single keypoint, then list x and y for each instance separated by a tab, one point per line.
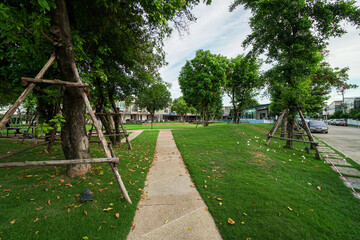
344	139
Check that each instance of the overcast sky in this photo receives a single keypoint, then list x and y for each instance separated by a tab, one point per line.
222	32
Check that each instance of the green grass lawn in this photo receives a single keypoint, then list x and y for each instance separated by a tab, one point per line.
270	192
43	203
131	126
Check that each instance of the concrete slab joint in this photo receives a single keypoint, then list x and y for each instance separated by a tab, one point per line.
171	207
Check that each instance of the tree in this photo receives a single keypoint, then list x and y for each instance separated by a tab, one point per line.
180	107
243	80
201	80
293	34
154	98
123	42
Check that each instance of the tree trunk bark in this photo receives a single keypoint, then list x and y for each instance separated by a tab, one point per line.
74	141
290	128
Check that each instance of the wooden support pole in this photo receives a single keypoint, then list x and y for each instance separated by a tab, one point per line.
275	127
25	81
299	130
28	90
101	136
308	132
22	150
59	162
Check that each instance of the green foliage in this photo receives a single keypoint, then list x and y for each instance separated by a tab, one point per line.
154	98
357	116
243	81
56	122
344	115
180	106
293	35
201	80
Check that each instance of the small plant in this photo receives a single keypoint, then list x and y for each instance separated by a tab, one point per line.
45	128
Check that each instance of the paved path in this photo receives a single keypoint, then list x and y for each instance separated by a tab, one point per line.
344	139
351	176
132	135
171	207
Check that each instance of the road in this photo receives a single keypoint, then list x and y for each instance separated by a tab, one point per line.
344	139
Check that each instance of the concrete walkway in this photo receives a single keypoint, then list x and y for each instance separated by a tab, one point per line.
132	135
171	207
352	175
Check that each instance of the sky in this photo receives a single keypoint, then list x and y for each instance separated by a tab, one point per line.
222	32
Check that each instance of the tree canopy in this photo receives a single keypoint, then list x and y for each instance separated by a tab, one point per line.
201	80
154	98
242	82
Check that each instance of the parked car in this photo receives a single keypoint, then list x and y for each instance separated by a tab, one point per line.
318	126
340	122
331	121
129	121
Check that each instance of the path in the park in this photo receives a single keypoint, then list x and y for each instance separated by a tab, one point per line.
340	164
171	207
133	134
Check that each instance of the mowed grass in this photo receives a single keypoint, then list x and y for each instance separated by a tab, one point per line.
132	126
43	203
270	192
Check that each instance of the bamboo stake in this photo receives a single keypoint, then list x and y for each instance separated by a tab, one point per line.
276	125
59	162
25	81
22	97
101	136
308	132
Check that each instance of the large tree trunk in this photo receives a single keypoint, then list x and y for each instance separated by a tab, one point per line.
74	141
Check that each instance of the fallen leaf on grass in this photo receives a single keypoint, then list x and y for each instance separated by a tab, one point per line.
39	208
49	202
219	199
13	221
36	233
85	212
117	215
318	187
242	222
107	209
27	176
61	180
220	203
78	205
230	221
68	210
290	208
111	204
101	190
37	219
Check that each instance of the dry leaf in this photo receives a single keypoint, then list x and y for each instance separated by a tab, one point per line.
134	225
220	203
107	209
167	220
76	206
13	221
68	210
101	190
219	199
230	221
117	215
36	233
61	180
39	208
318	187
58	197
111	204
290	208
49	202
37	219
85	212
242	222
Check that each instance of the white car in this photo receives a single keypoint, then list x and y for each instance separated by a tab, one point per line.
318	126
